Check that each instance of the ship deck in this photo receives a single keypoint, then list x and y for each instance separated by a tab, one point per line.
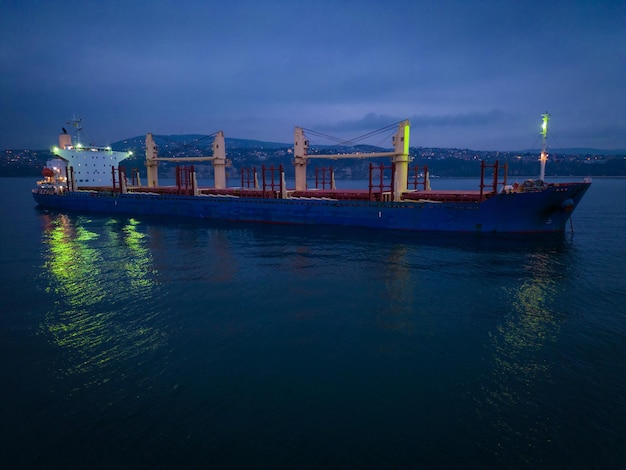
446	195
333	194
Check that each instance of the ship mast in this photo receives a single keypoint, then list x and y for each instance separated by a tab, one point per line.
76	122
544	155
400	158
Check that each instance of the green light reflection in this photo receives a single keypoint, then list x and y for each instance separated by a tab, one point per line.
96	275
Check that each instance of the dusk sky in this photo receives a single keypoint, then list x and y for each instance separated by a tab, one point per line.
468	74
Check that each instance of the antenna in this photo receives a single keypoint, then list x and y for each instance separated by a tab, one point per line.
544	155
76	122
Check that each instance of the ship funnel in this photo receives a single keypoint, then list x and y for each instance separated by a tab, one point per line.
65	140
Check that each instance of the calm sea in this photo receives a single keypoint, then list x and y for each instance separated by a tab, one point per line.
132	342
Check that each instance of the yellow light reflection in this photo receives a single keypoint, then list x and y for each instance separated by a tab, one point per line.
399	312
518	362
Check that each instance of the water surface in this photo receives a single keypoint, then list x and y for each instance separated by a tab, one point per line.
164	343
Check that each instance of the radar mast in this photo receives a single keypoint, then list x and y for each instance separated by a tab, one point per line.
544	154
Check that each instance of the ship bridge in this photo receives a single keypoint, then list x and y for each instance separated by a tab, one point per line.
85	165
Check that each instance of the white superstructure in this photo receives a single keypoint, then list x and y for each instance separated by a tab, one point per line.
89	165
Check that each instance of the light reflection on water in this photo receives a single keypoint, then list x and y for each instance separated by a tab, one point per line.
400	306
97	276
163	345
425	319
520	367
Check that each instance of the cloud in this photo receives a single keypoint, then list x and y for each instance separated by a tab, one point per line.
462	73
374	121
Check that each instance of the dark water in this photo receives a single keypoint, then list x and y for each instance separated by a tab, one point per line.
147	343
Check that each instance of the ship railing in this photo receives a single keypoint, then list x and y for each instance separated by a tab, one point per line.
378	188
273	181
494	185
418	175
324	178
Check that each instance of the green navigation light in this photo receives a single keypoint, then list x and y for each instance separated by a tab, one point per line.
544	124
406	139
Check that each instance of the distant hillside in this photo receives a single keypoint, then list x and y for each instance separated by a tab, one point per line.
246	153
197	141
196	144
579	151
194	141
246	143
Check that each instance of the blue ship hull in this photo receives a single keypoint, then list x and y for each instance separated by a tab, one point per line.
542	211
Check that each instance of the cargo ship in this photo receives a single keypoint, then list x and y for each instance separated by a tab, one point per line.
398	196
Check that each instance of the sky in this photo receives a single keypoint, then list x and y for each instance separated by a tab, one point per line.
466	73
